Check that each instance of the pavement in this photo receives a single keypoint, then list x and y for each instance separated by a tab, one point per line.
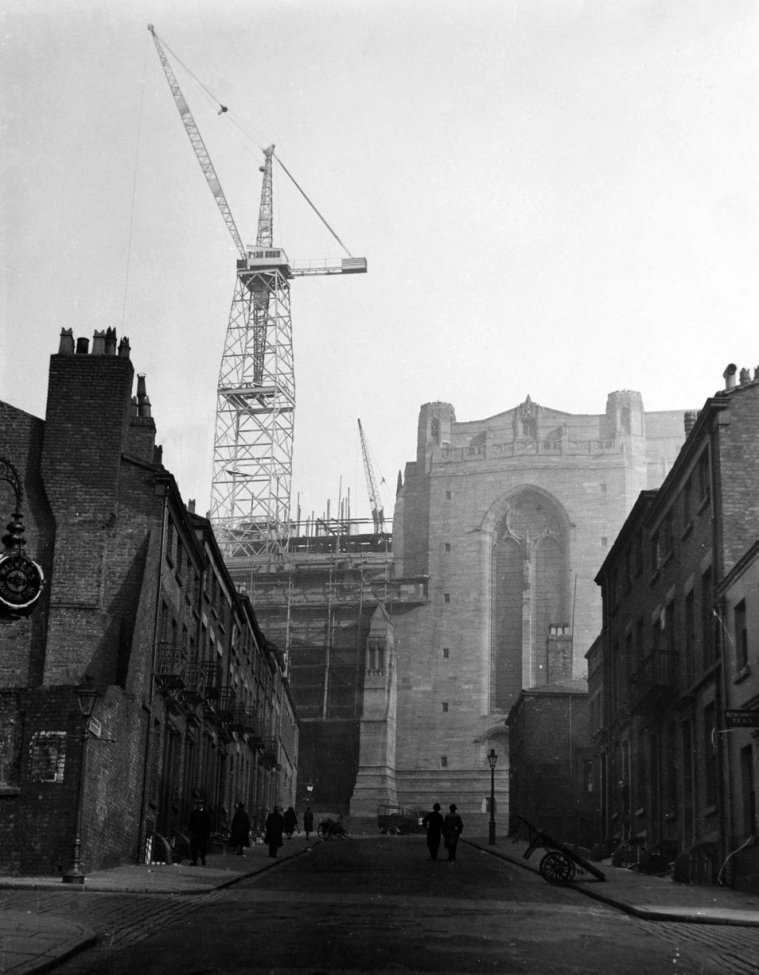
33	943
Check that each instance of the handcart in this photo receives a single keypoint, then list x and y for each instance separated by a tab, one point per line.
560	863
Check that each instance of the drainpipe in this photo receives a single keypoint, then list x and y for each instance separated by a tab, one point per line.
151	694
724	789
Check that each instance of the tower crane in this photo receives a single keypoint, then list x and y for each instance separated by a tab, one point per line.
255	402
375	502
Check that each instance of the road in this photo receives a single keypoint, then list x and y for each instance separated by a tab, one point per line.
380	905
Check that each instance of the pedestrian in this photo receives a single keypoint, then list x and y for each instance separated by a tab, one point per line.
453	827
291	822
199	828
239	834
275	825
308	820
433	823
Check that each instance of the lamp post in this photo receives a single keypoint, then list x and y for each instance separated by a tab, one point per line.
86	695
492	759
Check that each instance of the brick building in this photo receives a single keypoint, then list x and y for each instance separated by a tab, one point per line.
192	699
500	527
551	762
675	667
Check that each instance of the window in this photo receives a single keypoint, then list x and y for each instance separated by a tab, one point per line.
638	554
443	761
445	707
666	537
448	495
640	641
687	513
707	629
704	480
690	638
446	653
447	546
446	597
170	541
741	635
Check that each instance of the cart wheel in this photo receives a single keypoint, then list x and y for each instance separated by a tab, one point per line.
392	830
557	868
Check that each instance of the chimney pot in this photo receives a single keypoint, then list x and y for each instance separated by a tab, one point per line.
729	375
124	348
98	343
110	341
66	345
82	346
745	375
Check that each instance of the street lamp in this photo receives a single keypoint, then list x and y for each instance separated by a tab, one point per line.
86	696
492	759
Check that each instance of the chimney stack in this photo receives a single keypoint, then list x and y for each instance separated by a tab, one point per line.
689	421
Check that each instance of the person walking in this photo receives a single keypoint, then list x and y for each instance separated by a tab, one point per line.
433	823
308	820
291	822
199	828
239	834
453	827
275	826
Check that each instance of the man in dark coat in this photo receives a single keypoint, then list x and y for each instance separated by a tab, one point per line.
239	834
291	822
275	827
308	820
199	828
453	827
433	823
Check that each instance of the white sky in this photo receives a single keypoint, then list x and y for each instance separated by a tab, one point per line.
555	197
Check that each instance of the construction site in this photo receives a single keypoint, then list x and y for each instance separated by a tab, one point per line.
316	603
314	585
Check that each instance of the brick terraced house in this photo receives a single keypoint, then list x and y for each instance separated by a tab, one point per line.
674	683
139	612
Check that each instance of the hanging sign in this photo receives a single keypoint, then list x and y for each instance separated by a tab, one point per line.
21	583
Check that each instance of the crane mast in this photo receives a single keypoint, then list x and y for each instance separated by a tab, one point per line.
255	401
375	502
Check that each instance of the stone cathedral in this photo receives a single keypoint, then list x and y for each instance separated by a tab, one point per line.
500	527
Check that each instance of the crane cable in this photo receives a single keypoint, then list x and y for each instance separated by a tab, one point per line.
223	110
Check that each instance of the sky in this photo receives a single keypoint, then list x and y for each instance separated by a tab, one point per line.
556	198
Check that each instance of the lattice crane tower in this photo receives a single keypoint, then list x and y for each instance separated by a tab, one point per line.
255	404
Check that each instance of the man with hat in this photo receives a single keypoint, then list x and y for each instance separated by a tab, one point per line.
433	823
453	827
